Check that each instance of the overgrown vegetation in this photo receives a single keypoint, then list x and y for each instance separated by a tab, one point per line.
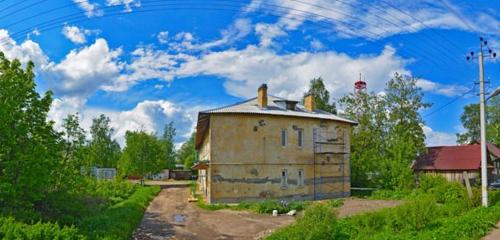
46	188
437	209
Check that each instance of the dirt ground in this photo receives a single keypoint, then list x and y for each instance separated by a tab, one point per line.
494	234
170	216
354	206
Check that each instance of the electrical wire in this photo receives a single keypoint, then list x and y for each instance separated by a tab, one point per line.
448	103
78	17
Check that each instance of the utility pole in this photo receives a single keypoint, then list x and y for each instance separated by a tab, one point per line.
482	108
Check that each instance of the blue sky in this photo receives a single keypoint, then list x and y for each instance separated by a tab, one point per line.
148	62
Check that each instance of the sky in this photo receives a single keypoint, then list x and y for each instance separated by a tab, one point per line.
144	63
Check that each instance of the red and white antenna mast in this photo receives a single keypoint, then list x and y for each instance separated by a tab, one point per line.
360	85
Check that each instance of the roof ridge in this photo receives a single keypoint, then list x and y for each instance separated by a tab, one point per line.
230	105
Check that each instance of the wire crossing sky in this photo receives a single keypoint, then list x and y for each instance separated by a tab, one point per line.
146	63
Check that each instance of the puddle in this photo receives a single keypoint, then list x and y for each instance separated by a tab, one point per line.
179	218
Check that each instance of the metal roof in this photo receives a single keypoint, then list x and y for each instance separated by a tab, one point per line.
462	157
275	107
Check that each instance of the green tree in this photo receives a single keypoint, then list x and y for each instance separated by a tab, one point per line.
406	138
470	121
168	145
29	146
368	137
321	95
103	150
187	153
75	150
389	135
143	155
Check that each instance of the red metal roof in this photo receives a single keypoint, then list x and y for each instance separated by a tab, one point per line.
463	157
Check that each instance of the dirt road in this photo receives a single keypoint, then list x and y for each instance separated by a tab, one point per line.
170	216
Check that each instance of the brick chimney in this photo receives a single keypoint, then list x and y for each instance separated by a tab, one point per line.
309	103
262	96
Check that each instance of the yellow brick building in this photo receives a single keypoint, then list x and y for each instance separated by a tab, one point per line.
272	148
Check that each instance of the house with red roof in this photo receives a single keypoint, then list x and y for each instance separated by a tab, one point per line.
457	163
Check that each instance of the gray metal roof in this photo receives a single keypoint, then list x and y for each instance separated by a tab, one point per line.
274	107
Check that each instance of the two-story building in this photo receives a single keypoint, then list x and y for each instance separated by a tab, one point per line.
270	147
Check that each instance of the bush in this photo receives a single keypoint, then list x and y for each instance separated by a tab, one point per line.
120	220
318	222
10	229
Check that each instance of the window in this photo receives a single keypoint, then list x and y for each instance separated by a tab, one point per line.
300	137
284	136
300	182
284	178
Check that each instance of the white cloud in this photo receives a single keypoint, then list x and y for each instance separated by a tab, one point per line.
149	116
84	70
127	4
441	89
374	19
288	75
434	138
240	28
162	37
268	32
76	34
26	51
316	44
91	9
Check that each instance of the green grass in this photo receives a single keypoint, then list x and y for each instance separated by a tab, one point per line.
120	220
12	229
436	210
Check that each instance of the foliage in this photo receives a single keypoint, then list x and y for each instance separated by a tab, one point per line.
119	221
266	206
421	218
470	121
74	152
389	135
103	152
29	146
11	229
321	95
318	222
187	153
167	142
143	154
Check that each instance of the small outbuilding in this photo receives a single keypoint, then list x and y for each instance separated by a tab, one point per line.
457	163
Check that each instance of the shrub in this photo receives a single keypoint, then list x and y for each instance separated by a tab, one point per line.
10	229
120	220
318	222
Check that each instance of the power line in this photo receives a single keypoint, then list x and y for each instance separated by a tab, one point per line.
47	25
448	103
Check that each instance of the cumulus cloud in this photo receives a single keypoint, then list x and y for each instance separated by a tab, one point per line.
24	52
288	75
90	9
162	37
84	70
434	138
149	116
127	4
76	34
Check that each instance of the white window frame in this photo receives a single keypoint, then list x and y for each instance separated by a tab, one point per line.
284	178
300	181
300	138
284	138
